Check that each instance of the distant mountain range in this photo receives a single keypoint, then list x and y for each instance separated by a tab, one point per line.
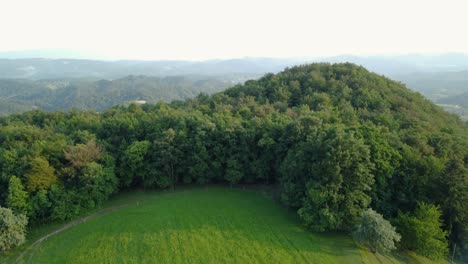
49	64
72	68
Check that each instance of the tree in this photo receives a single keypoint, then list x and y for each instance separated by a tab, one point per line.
41	176
376	232
12	229
135	162
453	188
98	183
233	171
166	157
40	207
422	231
17	199
385	159
82	154
336	170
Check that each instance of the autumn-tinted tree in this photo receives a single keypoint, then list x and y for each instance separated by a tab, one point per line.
82	154
41	175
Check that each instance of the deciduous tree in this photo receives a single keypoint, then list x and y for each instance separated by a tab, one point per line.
12	229
422	231
17	199
376	232
41	176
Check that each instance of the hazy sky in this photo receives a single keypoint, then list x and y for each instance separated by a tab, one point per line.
204	29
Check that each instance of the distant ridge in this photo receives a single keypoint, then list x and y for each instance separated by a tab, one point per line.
46	64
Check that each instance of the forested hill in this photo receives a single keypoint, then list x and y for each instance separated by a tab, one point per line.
335	138
99	95
352	93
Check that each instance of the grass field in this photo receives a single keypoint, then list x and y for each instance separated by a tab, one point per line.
203	225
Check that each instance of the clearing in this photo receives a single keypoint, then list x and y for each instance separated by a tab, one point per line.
200	225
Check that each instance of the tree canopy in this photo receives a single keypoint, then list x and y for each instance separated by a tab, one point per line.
422	231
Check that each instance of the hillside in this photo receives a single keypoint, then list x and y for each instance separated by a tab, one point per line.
87	94
335	139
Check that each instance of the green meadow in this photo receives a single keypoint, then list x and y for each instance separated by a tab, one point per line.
201	225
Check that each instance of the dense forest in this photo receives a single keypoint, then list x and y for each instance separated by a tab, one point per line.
335	138
17	95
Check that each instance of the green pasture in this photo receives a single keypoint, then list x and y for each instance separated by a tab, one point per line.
201	225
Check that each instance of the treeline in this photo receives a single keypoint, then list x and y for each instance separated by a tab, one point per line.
337	140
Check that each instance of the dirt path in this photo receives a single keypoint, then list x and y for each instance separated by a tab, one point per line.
69	225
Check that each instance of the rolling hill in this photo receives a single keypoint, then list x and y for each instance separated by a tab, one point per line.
19	95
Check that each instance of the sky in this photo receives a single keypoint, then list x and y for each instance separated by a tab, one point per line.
209	29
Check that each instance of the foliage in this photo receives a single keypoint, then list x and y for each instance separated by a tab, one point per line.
135	165
82	154
337	176
233	171
41	176
422	231
377	232
100	95
12	229
99	182
40	207
17	199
